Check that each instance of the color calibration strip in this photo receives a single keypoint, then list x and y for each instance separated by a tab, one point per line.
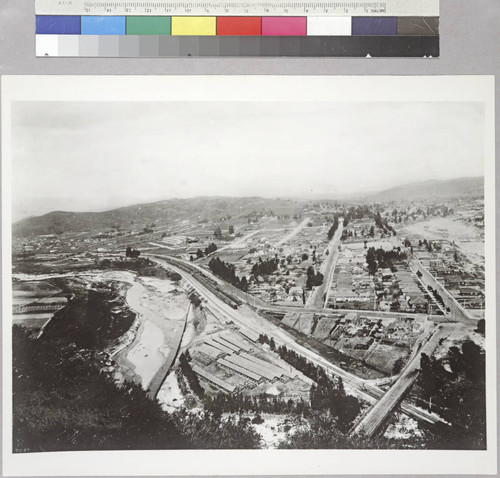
153	36
241	8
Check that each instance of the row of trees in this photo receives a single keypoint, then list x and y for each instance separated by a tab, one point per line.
327	394
228	273
263	403
333	228
382	259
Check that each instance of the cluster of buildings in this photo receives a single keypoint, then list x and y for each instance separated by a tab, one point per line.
461	278
375	340
295	255
233	362
352	286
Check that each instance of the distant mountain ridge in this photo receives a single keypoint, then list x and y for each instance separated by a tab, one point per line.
472	186
132	216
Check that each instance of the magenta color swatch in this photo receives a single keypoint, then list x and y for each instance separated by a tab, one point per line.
284	26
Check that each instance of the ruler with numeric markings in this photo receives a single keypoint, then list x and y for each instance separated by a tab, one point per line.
399	8
245	28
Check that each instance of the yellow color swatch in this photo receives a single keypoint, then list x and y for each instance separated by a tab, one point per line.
193	25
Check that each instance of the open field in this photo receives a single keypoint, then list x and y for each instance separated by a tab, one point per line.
443	228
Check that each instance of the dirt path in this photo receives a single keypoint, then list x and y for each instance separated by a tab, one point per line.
293	233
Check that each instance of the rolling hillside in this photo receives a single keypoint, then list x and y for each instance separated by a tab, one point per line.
431	189
158	212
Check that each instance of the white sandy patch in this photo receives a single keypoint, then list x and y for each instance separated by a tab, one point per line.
443	228
170	395
272	390
472	249
403	429
163	285
146	355
272	430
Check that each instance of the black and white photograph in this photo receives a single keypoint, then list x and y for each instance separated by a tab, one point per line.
194	265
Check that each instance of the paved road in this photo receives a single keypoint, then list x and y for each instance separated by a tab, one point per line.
457	311
247	318
375	416
317	299
283	309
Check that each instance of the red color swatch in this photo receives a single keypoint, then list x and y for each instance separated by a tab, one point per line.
239	25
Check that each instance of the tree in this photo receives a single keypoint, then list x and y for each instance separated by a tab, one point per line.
272	344
190	375
199	254
218	233
231	229
265	267
480	326
133	253
210	248
313	278
244	284
398	366
195	299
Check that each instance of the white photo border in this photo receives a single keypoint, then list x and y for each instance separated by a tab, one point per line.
251	88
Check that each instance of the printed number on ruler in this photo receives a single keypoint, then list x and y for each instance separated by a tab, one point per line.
238	7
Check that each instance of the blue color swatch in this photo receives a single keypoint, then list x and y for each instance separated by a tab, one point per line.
374	26
95	25
58	24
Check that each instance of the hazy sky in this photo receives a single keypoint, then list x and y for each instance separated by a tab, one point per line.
95	155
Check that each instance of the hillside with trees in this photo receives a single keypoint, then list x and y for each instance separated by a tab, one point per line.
454	387
62	402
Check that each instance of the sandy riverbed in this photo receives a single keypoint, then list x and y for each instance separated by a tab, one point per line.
162	306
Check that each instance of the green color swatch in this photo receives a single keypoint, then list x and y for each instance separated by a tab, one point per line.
148	25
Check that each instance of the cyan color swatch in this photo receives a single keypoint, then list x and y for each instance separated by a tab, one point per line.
96	25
